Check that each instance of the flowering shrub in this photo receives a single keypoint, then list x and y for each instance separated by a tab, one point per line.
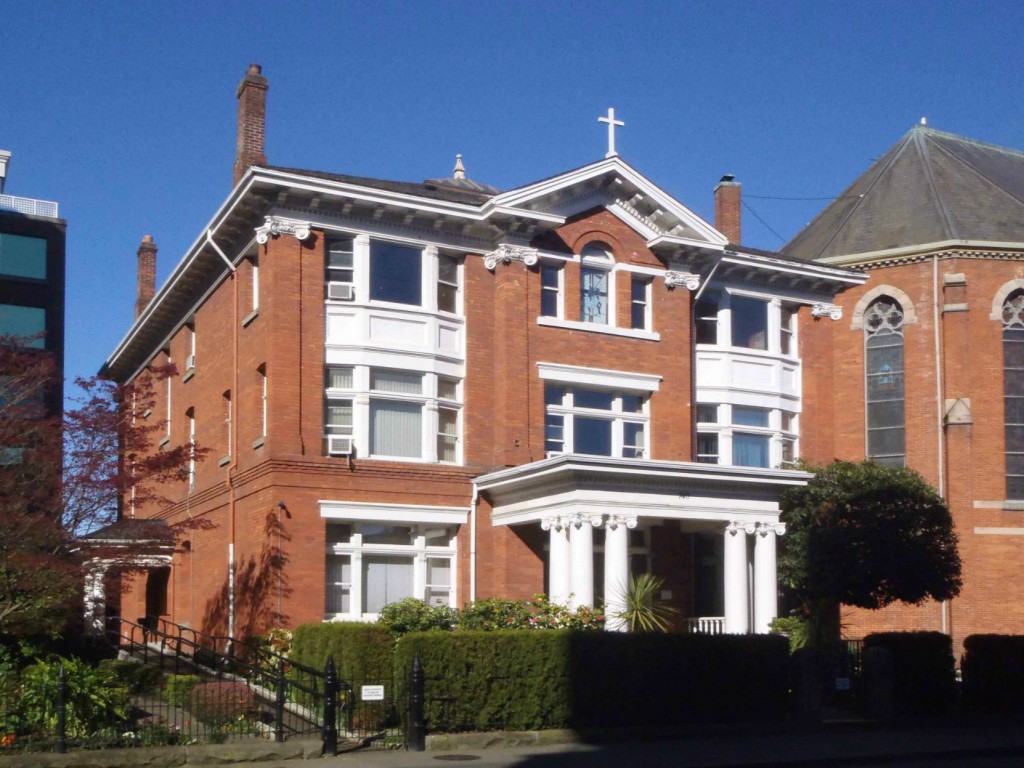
412	615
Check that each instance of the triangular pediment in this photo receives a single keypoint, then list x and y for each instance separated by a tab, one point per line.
621	189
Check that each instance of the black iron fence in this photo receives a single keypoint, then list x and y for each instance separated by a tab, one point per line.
175	686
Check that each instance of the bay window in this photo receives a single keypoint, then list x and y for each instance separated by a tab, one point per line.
749	318
393	414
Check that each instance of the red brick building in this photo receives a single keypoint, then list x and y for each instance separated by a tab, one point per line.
925	369
446	391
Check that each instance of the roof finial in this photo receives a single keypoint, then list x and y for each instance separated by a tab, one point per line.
612	122
924	121
460	169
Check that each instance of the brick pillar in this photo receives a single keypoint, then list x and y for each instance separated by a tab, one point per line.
252	114
147	275
727	208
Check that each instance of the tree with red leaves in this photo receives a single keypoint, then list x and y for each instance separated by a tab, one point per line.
62	477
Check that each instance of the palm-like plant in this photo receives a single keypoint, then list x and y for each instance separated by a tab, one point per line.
645	611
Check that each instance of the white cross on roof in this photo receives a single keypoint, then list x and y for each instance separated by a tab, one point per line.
612	122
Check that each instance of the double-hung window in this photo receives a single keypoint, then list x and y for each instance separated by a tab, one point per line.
750	449
396	413
749	319
640	302
447	283
596	422
340	269
396	273
338	410
551	275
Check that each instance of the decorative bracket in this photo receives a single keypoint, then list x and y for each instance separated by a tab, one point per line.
274	226
688	280
506	254
833	311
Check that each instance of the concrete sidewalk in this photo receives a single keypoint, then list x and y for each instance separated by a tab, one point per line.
785	745
758	746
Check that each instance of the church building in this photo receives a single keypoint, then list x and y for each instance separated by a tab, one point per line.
926	367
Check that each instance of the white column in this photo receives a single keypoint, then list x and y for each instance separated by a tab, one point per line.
581	544
765	578
558	561
616	569
737	601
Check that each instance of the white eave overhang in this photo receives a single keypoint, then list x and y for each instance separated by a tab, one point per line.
798	269
685	471
913	252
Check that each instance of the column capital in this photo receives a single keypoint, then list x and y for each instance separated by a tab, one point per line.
506	254
275	226
579	519
823	309
763	529
614	521
737	527
687	280
554	521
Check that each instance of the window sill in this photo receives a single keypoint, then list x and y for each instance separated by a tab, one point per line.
1015	505
188	375
258	442
611	330
224	460
250	317
164	441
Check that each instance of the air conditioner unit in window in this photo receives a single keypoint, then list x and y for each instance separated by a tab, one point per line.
190	362
341	291
340	446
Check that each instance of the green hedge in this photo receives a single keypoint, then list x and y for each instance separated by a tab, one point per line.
923	674
993	673
362	652
521	680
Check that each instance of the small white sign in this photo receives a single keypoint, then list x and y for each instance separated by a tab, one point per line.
372	692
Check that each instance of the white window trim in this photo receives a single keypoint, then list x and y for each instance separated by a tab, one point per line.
575	325
602	378
604	263
568	411
362	396
726	429
559	315
418	550
648	284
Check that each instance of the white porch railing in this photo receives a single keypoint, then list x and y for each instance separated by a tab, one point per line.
28	205
705	625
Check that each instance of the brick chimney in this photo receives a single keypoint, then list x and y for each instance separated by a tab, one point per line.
147	274
252	119
727	208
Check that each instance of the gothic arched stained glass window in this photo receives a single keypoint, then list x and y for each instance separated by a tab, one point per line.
1013	392
886	419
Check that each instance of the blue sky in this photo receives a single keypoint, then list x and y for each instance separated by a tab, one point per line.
125	113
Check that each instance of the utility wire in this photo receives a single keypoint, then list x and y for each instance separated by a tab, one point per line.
766	224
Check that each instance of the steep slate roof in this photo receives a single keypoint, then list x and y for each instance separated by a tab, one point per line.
930	187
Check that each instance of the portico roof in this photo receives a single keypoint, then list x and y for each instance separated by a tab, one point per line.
571	484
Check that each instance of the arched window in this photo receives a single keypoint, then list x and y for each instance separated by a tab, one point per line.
1013	392
595	271
886	421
